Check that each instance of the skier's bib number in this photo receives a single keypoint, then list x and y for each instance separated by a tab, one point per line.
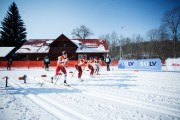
46	60
107	59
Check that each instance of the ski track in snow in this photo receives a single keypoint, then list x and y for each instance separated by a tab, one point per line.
137	90
136	103
102	88
58	110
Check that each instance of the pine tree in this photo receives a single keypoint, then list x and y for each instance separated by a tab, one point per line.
13	31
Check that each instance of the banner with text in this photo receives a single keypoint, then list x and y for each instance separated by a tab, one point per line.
173	64
145	64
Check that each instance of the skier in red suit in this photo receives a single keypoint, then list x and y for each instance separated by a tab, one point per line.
61	65
90	66
81	63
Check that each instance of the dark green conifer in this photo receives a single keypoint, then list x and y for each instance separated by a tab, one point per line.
13	31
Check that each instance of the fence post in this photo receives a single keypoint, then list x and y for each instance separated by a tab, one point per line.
6	81
24	78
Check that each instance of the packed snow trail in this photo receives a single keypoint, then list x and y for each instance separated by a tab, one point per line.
131	102
135	103
111	95
53	107
169	94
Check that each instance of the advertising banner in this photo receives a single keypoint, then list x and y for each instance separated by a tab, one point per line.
143	64
173	64
127	64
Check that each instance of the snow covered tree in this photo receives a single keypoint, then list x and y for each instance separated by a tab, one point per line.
13	31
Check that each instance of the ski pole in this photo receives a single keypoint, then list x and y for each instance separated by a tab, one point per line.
6	81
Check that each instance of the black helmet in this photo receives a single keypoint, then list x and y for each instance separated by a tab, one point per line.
64	53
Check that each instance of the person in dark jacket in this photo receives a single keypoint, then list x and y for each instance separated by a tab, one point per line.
9	64
108	61
46	63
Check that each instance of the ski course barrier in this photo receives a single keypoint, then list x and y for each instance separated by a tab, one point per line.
32	64
140	64
173	64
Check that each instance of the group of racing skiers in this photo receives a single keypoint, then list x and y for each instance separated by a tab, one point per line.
82	63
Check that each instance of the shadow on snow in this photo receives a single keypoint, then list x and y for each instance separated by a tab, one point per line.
36	91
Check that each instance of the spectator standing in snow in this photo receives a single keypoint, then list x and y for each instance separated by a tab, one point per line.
81	62
61	65
9	64
108	61
46	63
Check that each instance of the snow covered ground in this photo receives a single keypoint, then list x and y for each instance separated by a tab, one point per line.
112	95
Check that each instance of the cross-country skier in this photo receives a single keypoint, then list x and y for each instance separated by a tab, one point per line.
96	66
90	66
61	65
81	63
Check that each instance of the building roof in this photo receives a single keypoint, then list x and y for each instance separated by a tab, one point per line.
35	46
5	51
91	45
84	46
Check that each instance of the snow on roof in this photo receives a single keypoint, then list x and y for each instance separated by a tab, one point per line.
77	42
90	45
35	46
5	51
84	46
33	49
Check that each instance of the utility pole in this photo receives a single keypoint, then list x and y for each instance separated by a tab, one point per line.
120	50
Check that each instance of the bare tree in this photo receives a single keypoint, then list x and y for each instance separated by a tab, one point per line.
81	32
152	34
172	20
106	37
151	46
113	43
127	48
138	46
163	47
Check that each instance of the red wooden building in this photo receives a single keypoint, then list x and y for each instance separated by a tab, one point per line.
37	49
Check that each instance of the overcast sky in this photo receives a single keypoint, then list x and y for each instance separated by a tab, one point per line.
50	18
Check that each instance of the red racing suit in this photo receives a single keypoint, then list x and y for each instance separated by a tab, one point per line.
81	62
61	63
